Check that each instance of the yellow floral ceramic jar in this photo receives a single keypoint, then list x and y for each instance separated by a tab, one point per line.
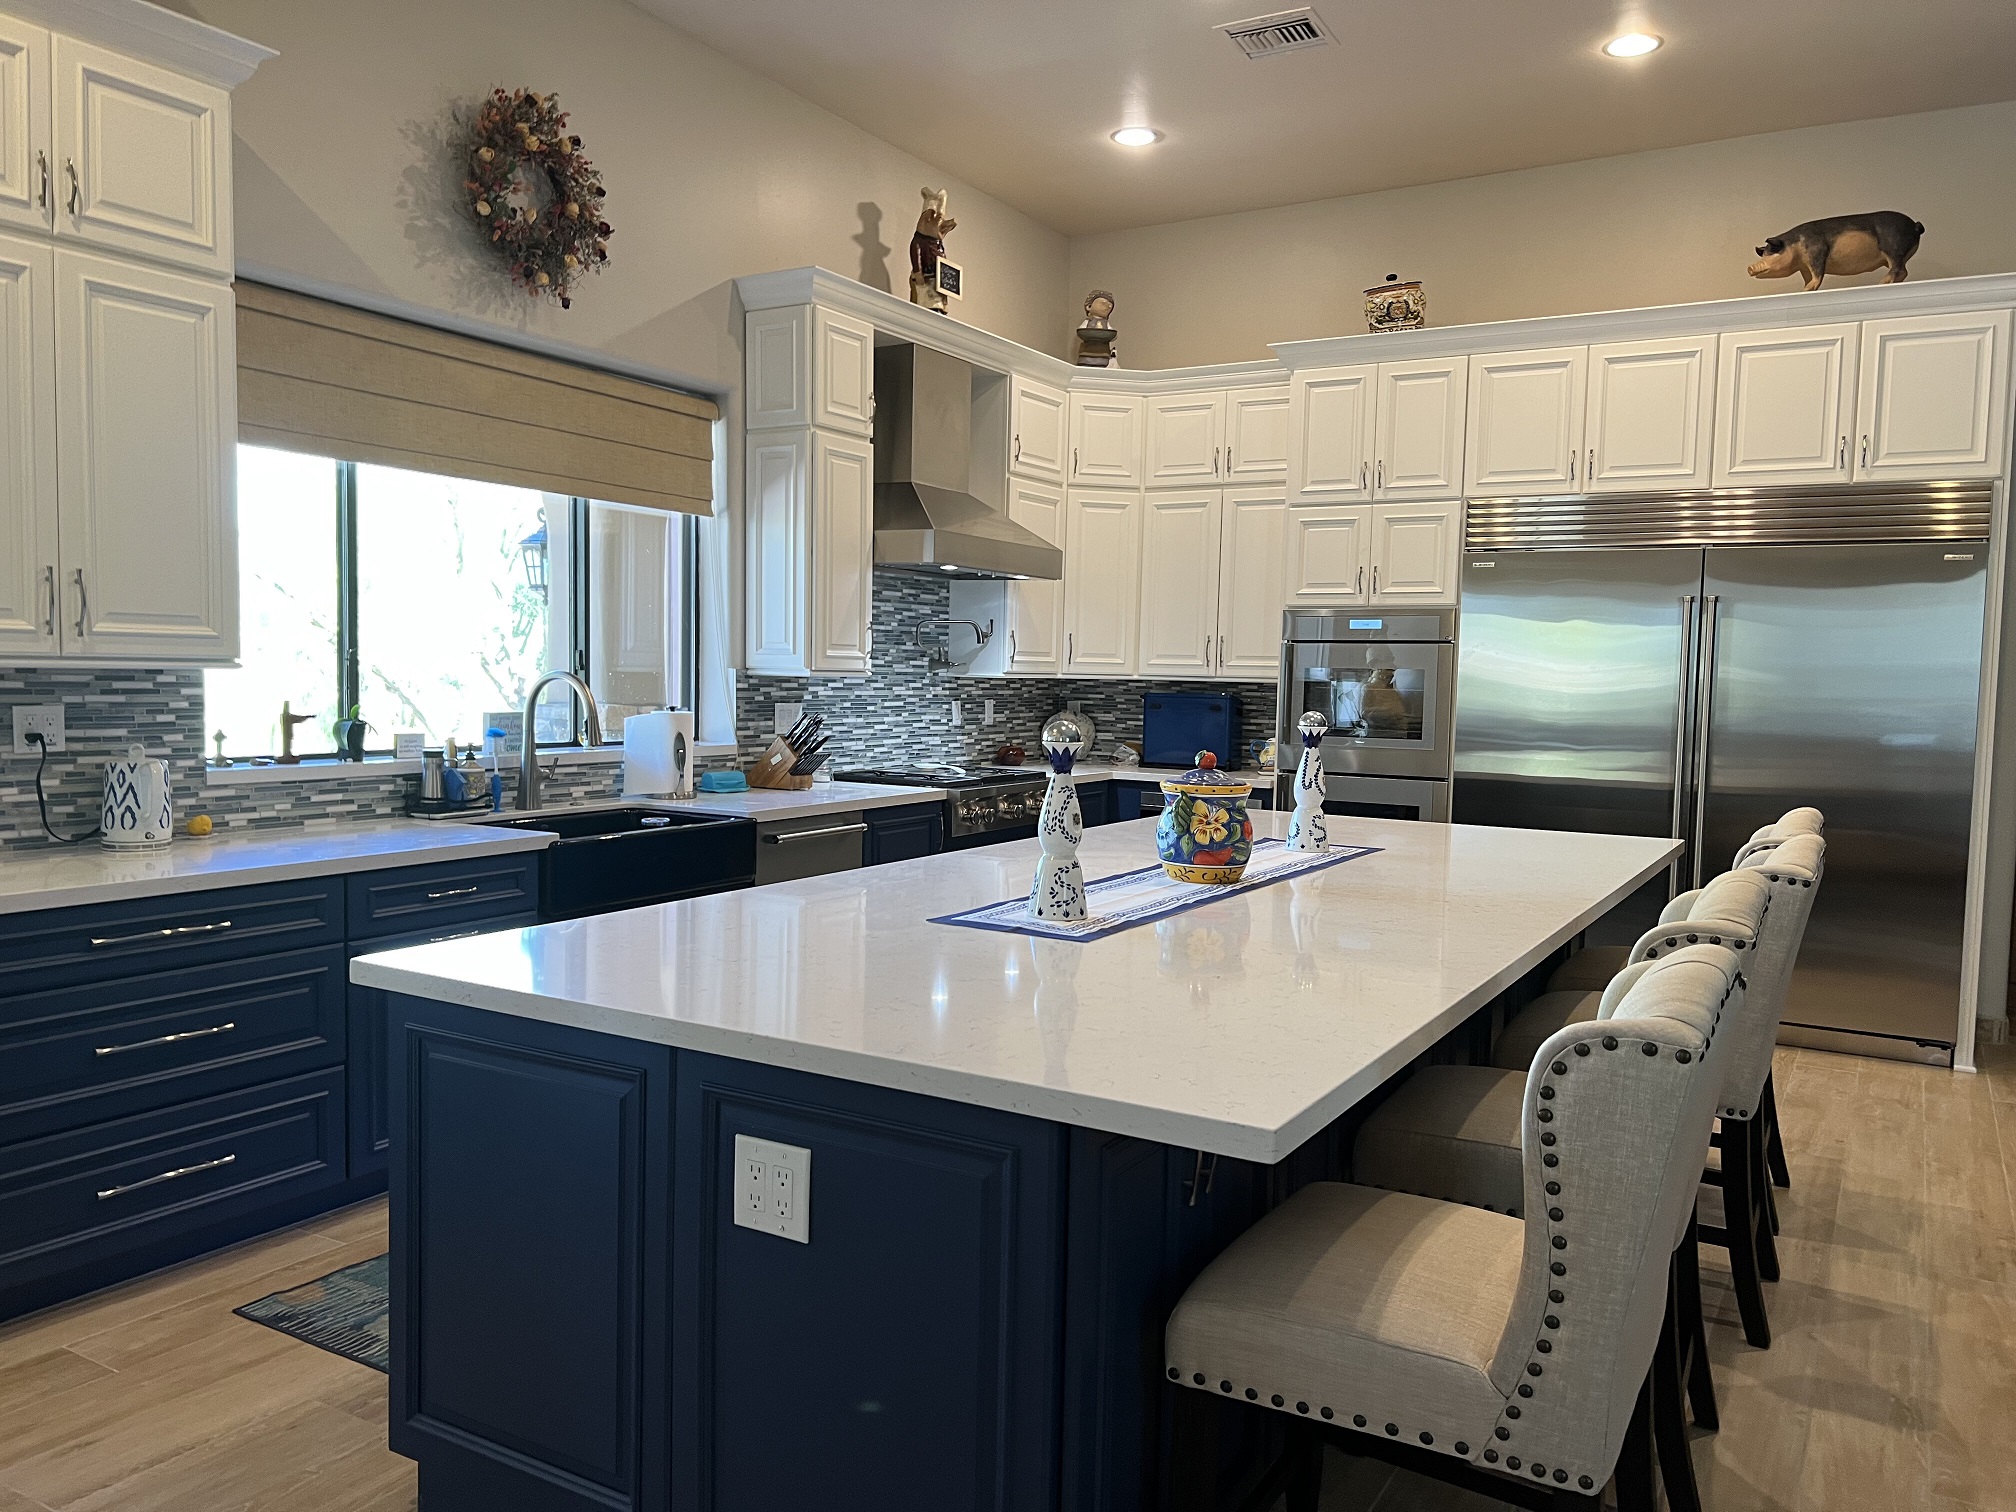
1204	834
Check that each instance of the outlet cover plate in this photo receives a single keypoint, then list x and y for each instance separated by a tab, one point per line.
48	718
773	1188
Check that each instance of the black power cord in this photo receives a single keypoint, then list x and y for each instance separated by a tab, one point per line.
42	799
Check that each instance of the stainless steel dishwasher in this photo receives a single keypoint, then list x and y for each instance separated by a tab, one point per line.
787	849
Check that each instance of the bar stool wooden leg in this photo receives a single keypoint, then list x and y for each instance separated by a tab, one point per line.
1739	1204
1669	1417
1635	1478
1774	1147
1305	1478
1767	1218
1693	1330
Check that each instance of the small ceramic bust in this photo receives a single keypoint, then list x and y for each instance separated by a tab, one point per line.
1058	891
1306	830
1096	337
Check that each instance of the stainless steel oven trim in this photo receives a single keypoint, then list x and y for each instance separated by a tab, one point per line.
1431	756
1430	796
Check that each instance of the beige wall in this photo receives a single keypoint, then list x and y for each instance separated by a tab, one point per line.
1650	228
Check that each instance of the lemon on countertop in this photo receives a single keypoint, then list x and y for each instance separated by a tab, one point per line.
200	825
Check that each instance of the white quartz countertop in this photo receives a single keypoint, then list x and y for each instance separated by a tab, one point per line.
1107	772
1240	1028
88	873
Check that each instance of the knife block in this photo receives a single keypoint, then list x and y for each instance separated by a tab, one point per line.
773	769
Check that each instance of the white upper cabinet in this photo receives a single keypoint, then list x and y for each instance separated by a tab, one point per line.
144	158
27	183
1037	422
777	368
1179	564
843	551
1783	405
28	541
146	430
1418	453
1102	576
843	373
1650	424
777	485
1256	435
1253	545
1186	439
1106	440
1414	552
1329	554
1934	398
1330	434
1036	608
1526	421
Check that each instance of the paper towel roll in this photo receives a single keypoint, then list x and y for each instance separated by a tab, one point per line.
658	754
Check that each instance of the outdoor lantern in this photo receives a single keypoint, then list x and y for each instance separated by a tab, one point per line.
533	550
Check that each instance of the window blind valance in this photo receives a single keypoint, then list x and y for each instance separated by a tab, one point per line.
320	377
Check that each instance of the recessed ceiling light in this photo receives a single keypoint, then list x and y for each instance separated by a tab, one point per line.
1633	45
1137	136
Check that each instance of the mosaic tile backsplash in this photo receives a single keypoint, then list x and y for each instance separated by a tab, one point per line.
900	713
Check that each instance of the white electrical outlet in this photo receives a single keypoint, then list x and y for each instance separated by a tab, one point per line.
786	715
45	719
773	1188
957	722
986	711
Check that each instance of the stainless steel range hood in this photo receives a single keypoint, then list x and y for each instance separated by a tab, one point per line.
925	519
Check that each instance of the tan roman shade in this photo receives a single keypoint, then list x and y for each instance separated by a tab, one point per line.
323	378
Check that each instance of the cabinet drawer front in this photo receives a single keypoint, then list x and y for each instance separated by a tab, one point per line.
82	1055
410	899
119	1185
68	947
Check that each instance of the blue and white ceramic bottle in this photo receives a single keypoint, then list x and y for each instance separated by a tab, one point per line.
1058	892
1306	830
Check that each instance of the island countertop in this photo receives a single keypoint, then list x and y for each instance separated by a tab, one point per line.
1239	1028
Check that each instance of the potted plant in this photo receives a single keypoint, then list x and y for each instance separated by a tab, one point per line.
349	735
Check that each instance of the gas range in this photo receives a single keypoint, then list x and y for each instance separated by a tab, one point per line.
985	805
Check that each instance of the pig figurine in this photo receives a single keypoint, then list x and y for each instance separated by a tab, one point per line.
1841	244
926	247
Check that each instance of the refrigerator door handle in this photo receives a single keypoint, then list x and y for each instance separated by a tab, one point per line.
1703	721
1681	704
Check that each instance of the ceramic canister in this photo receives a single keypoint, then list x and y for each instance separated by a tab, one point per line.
1204	834
138	813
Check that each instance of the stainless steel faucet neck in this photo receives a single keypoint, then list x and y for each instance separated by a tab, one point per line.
528	751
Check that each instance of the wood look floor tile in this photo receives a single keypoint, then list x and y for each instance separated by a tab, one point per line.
363	1221
36	1378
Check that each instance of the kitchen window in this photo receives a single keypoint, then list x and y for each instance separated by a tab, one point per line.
427	601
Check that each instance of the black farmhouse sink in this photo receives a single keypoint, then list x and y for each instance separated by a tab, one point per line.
613	858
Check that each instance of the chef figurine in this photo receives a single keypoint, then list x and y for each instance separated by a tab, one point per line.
1059	889
1306	831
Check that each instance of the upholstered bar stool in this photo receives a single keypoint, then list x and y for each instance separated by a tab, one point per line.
1454	1132
1511	1356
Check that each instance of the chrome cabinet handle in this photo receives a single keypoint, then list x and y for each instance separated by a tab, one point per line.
99	943
452	892
1382	472
1018	446
1573	458
1865	451
1207	653
816	834
1361	579
1070	645
1011	645
76	187
1364	481
1705	715
1589	472
83	603
1228	459
175	1175
42	165
49	581
1841	453
1074	461
165	1039
1221	653
1375	580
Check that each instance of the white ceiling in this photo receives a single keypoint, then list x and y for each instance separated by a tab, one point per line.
1017	96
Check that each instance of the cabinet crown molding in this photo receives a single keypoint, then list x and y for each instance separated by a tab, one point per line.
140	30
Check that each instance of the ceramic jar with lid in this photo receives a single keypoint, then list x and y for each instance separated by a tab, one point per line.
1204	834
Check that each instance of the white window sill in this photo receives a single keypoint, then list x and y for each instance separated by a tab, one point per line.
328	769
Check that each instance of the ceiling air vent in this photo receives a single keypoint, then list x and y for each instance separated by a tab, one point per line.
1287	31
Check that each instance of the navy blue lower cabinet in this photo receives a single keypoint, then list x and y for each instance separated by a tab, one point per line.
531	1183
902	833
905	1358
1095	802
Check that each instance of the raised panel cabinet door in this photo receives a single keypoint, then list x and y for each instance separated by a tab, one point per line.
1037	426
1036	608
28	561
145	158
1526	421
1253	554
1782	407
27	174
1330	425
777	368
1102	566
1419	451
843	534
1256	434
1328	555
1415	553
1934	397
1179	570
1186	439
777	483
146	434
1650	424
843	373
1106	440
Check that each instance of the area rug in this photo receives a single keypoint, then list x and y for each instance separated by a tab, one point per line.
345	1312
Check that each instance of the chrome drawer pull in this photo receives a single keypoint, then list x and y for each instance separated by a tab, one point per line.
176	1174
816	834
166	1039
160	934
459	935
453	892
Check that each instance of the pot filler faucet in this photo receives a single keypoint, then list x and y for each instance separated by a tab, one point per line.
528	758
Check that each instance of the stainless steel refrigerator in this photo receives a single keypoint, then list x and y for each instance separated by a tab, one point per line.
1694	665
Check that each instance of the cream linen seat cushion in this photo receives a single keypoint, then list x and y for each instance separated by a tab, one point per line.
1451	1132
1519	1041
1586	971
1346	1302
